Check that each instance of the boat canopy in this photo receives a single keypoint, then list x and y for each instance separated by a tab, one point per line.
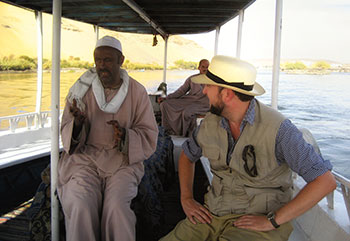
164	17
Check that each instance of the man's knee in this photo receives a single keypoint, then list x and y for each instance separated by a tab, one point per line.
185	230
118	203
75	198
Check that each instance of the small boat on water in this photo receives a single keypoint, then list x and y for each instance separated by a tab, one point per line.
26	151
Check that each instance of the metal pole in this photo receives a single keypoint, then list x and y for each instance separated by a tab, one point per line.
55	113
39	82
239	34
165	58
97	32
276	54
217	33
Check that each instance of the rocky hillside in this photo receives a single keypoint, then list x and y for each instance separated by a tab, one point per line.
18	37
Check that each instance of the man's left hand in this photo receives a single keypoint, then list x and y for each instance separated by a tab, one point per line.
257	223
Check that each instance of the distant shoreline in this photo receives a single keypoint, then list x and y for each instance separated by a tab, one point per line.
78	70
299	72
30	71
308	72
315	71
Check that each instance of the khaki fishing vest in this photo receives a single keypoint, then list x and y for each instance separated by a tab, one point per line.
232	190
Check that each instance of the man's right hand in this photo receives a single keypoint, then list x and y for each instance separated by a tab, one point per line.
194	209
78	115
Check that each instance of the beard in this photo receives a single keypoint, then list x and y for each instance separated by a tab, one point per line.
216	110
105	75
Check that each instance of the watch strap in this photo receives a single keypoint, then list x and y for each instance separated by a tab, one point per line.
271	218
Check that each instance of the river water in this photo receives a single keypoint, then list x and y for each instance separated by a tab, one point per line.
320	103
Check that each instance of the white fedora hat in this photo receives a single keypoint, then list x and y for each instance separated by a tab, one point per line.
110	42
231	73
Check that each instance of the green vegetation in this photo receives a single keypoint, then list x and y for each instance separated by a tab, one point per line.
293	66
75	62
181	64
26	63
137	66
20	63
321	65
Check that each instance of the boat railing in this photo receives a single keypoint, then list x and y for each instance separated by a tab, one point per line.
28	120
343	186
345	190
25	137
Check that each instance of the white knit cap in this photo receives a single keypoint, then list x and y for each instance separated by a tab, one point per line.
110	42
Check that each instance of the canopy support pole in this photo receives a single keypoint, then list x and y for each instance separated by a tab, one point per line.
165	58
39	82
55	113
97	32
217	34
276	54
239	34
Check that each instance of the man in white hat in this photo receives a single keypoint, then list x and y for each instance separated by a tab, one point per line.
252	150
108	130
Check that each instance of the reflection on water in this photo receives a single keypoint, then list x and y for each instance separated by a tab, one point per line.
320	103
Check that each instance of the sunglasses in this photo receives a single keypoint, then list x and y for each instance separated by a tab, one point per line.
249	154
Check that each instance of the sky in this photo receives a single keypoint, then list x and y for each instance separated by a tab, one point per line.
311	29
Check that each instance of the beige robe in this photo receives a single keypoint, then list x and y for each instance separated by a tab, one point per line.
180	109
95	166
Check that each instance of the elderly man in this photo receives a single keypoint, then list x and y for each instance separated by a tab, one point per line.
108	129
252	150
180	109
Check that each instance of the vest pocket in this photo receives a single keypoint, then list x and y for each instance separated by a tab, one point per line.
213	154
265	199
214	196
216	186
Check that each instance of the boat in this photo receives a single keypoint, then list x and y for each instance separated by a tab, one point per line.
38	142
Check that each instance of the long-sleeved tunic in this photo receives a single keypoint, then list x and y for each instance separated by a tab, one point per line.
96	180
179	109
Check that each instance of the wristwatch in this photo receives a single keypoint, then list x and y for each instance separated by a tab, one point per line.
271	217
